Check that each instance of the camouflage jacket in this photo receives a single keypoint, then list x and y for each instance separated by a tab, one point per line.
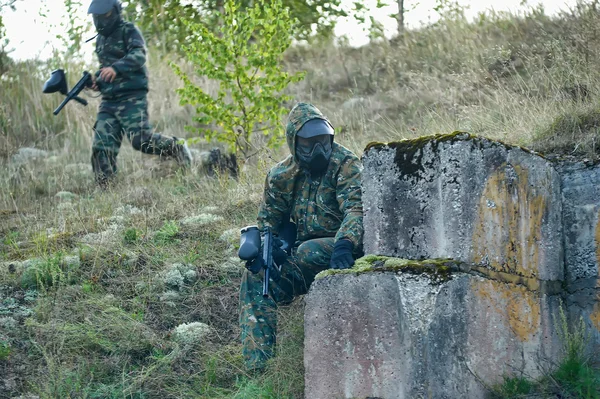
328	206
125	51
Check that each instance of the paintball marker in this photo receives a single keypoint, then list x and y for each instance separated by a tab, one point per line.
250	248
58	82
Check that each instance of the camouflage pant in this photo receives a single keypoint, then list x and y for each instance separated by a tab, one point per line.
258	316
125	117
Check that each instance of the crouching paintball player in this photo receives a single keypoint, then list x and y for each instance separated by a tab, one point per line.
316	194
123	83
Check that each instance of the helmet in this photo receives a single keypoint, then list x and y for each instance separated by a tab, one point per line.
315	127
104	6
104	22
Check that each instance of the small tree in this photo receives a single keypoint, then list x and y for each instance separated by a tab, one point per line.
245	59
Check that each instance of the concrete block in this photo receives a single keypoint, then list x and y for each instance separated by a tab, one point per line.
389	335
464	197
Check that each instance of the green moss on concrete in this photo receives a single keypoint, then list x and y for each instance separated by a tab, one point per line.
408	152
409	156
420	142
439	270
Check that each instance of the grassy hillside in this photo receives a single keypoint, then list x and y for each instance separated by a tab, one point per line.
133	292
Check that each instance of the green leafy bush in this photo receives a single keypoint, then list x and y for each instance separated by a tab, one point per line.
245	59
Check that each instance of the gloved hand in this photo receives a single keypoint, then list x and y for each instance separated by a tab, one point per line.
342	255
279	257
255	265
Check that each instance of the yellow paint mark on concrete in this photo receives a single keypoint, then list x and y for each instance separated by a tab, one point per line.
514	304
507	232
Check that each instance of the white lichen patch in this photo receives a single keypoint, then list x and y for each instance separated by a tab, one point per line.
116	220
188	334
178	275
27	396
170	298
210	209
418	297
28	154
9	307
190	276
8	323
232	264
111	236
174	279
33	262
201	219
72	262
13	267
65	196
231	237
30	296
110	299
120	217
127	210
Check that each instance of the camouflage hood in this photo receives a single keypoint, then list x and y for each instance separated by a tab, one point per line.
299	115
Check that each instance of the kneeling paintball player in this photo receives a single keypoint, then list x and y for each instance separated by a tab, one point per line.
123	82
311	205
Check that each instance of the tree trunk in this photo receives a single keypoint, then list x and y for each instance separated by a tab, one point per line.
400	17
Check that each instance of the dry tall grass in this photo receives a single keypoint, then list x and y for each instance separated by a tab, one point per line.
93	314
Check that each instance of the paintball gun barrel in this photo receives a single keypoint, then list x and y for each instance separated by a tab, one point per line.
269	265
58	82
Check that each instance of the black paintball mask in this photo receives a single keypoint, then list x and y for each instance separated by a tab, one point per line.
106	15
314	145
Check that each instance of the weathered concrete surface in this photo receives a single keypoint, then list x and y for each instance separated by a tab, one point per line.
581	214
583	302
393	333
581	208
388	335
467	198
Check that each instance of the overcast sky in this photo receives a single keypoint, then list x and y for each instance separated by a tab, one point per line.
30	37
